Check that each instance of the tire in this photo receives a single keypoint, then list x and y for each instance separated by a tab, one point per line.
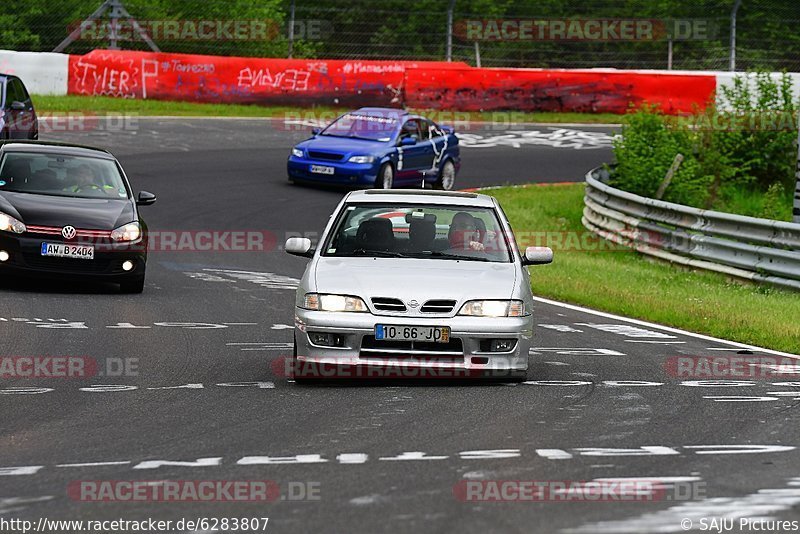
518	376
385	178
447	177
132	286
298	378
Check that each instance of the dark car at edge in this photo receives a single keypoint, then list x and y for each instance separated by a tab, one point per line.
68	212
18	118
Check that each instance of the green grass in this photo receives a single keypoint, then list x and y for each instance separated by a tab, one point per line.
758	204
629	284
109	105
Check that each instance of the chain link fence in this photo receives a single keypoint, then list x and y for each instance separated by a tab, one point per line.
546	33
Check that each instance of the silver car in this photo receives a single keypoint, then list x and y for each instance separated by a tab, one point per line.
414	284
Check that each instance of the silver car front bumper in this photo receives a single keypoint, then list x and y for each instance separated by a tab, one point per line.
467	350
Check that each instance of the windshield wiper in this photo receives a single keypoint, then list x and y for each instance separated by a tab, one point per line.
380	253
438	254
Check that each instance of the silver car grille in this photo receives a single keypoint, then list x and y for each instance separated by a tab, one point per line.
388	304
438	306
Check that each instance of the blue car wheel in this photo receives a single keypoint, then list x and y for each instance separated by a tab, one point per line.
385	178
447	176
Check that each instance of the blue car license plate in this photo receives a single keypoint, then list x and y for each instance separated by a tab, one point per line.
322	169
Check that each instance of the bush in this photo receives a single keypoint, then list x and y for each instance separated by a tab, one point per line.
645	151
744	146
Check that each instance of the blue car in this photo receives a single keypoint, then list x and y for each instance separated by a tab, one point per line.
378	147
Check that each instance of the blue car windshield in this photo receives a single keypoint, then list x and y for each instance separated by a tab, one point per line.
371	126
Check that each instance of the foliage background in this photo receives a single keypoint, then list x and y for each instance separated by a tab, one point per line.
739	157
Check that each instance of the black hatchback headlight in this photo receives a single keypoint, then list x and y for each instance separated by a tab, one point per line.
10	224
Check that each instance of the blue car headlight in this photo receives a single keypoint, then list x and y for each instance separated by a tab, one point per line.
361	159
296	152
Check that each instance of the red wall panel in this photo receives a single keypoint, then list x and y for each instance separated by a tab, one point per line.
555	90
128	74
435	85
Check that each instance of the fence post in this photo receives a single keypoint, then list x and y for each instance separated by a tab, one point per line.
733	35
450	8
291	30
669	54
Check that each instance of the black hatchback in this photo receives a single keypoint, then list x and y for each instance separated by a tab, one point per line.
67	211
18	118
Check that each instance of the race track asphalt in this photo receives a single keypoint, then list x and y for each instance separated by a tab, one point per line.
198	396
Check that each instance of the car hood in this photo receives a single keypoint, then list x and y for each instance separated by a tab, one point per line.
418	279
343	145
48	210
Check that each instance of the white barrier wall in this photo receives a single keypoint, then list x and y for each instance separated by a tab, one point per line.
725	79
43	73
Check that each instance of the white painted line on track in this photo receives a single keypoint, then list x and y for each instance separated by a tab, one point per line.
94	464
657	342
661	327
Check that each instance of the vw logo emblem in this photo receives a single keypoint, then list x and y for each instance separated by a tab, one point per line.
69	232
413	303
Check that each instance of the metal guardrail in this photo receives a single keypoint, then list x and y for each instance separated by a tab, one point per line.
755	249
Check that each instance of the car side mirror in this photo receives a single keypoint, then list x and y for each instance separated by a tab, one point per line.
408	141
315	131
299	246
145	198
17	106
537	256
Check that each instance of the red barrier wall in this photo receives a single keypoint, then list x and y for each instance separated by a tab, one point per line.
244	80
420	84
474	89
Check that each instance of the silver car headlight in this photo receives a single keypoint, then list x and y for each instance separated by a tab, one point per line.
333	303
296	152
361	159
10	224
493	308
127	232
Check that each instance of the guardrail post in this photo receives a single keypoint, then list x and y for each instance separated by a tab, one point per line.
796	212
670	173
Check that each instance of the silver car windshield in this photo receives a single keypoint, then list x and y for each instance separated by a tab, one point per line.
414	231
61	175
